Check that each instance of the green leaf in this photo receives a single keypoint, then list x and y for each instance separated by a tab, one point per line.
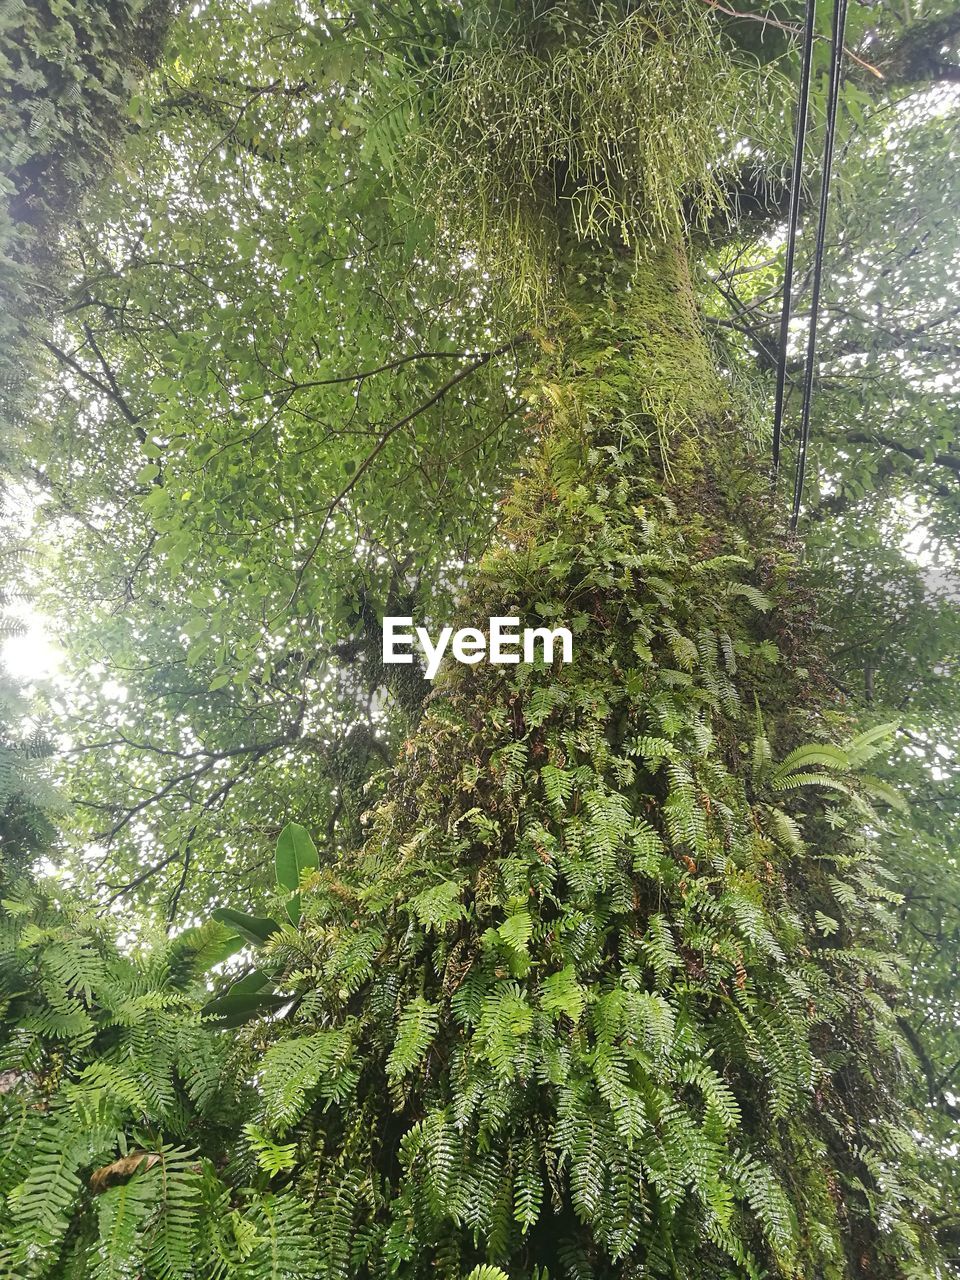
296	853
272	1157
813	753
878	789
417	1028
827	925
749	593
516	930
253	929
870	743
249	997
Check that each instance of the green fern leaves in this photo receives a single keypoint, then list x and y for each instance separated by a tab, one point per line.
415	1033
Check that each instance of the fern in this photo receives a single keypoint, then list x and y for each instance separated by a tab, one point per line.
744	591
505	1021
435	907
294	1069
121	1214
717	1094
527	1184
516	930
557	784
272	1157
416	1031
278	1240
660	950
562	993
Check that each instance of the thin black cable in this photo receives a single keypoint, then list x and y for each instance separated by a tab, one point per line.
833	98
803	113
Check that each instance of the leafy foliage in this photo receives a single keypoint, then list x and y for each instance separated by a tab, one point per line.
110	1082
604	984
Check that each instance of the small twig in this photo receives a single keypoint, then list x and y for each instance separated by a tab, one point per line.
181	883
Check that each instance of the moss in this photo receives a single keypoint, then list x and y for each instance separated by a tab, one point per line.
670	354
626	357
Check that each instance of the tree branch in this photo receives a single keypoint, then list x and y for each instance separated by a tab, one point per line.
381	444
383	368
935	1096
949	460
108	389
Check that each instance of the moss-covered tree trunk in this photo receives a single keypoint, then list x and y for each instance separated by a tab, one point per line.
604	994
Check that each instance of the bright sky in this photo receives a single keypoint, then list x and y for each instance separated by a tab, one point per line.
34	655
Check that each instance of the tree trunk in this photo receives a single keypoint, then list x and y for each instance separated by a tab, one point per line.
607	972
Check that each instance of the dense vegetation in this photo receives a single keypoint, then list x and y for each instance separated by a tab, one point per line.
641	966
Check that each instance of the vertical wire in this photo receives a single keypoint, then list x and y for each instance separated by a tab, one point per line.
833	97
803	112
